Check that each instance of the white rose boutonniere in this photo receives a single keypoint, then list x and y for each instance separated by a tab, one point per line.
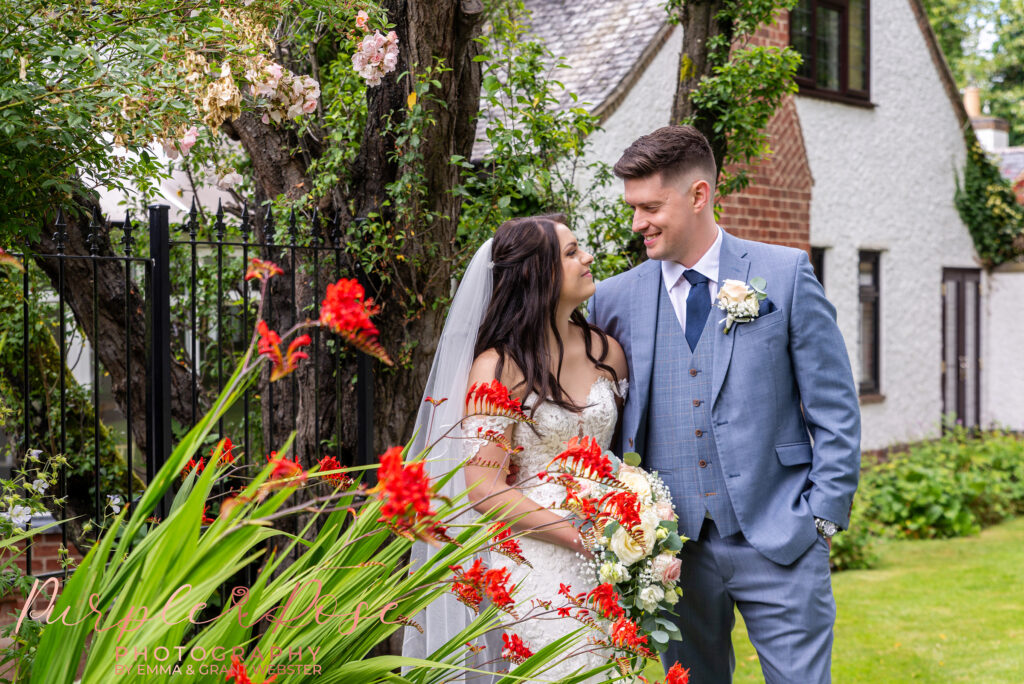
740	303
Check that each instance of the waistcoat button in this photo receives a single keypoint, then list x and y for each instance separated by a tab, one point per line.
693	372
699	433
702	463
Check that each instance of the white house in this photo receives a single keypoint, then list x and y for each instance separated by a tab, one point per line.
863	176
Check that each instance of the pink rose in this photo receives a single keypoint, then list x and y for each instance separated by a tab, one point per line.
666	568
361	19
664	510
188	140
309	106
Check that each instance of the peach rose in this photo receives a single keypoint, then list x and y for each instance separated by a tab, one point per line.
664	511
734	291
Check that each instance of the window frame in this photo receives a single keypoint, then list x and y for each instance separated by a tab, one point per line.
870	293
808	84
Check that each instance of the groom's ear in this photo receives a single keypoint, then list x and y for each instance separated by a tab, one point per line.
700	194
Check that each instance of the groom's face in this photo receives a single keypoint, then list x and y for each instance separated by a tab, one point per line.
664	214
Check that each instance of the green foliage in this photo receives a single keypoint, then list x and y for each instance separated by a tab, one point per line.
1005	88
535	161
988	207
746	87
958	25
950	487
854	549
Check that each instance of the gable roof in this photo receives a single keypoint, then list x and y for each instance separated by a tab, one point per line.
607	44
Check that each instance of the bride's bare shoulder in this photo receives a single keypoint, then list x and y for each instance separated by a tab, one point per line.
485	368
615	356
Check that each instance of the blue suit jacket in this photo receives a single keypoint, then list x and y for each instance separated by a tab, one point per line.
785	413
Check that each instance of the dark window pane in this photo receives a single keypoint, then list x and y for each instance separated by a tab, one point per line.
828	22
857	76
867	344
818	263
801	35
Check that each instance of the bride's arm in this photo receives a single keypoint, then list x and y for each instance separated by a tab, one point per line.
485	478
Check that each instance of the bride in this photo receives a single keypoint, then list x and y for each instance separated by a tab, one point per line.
571	377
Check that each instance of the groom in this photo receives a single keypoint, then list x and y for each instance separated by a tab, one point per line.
755	431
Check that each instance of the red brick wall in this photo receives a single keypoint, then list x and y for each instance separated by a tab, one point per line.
776	207
45	558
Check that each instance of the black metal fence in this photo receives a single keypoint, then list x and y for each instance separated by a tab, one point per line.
205	263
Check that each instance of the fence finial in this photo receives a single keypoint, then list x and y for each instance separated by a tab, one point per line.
127	240
268	226
93	238
193	224
61	234
218	226
246	227
292	230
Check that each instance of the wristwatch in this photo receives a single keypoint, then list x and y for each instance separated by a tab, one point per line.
826	528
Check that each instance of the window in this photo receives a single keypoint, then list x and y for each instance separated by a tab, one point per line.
832	37
818	263
869	334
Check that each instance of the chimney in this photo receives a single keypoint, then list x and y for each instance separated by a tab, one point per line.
993	133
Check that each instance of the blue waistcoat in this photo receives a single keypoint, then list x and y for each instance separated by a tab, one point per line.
679	444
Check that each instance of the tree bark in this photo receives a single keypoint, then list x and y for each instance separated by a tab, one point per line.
698	20
112	330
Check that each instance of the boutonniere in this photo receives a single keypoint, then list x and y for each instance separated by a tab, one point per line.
740	303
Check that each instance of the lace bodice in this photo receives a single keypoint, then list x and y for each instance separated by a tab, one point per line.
555	426
553	565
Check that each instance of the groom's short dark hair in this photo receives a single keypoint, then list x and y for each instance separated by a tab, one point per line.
671	151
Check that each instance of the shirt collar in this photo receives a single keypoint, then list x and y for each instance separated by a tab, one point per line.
707	265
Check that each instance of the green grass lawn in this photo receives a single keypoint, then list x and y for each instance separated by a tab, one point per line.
932	611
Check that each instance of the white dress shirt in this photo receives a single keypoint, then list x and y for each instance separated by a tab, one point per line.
678	287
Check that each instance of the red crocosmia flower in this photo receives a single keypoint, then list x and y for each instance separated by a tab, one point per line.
206	520
229	504
405	491
583	458
607	601
492	399
285	472
224	447
506	545
9	260
346	311
331	463
436	402
515	650
192	465
270	346
264	270
564	611
625	633
677	674
238	673
622	506
498	589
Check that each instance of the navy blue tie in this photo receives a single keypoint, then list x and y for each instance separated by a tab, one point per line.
698	304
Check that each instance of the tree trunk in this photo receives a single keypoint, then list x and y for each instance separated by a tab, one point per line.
427	31
698	20
112	330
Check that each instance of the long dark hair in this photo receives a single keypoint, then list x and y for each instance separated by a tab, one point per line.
527	281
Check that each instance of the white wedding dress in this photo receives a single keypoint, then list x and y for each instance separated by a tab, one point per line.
552	564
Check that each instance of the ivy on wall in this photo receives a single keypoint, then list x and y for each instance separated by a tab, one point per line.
989	208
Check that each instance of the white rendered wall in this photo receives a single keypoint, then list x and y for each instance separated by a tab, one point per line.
884	179
1002	400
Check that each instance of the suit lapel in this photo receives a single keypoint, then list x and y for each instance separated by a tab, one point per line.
733	265
642	326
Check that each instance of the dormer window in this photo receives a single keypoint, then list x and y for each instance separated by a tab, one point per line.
832	36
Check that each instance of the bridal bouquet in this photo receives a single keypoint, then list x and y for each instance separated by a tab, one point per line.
630	527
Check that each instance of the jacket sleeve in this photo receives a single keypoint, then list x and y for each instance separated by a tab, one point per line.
828	395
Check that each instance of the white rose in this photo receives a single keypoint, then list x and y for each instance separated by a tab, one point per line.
625	548
734	291
607	573
650	597
636	482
